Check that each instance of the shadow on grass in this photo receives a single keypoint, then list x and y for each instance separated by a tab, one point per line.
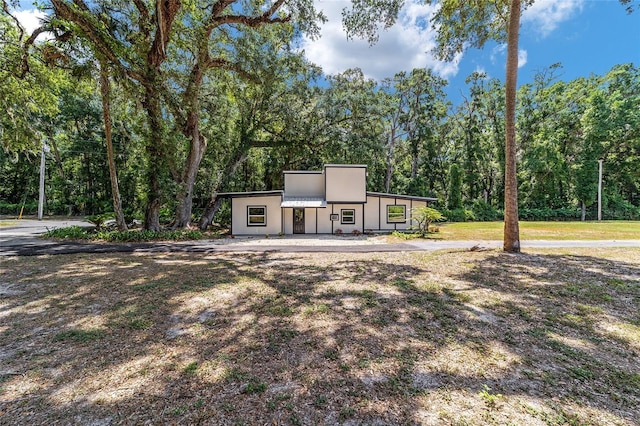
320	339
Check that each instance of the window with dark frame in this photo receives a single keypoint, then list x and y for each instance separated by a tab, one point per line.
348	217
396	213
256	215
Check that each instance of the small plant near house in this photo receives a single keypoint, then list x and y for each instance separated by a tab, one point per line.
356	232
338	231
424	217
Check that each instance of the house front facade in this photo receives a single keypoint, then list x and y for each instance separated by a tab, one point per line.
332	200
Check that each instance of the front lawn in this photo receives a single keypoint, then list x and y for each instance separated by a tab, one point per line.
548	337
605	230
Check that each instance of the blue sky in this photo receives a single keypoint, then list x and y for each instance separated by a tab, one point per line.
586	36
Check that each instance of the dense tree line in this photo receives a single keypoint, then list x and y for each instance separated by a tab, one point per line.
260	108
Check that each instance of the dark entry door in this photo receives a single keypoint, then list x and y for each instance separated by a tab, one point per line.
298	221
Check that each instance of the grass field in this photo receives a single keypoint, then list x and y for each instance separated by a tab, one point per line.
605	230
463	338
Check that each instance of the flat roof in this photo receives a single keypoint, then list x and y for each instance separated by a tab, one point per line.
403	197
360	166
250	193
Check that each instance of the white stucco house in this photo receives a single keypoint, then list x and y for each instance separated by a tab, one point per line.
321	202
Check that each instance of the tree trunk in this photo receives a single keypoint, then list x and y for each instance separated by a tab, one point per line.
511	226
210	211
155	160
214	203
197	147
583	211
105	92
389	173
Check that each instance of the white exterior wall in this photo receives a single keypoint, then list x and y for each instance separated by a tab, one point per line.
309	221
303	184
239	215
346	184
371	214
375	213
324	220
287	214
346	228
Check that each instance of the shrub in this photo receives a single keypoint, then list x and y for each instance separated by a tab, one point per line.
69	233
424	216
338	231
459	215
484	211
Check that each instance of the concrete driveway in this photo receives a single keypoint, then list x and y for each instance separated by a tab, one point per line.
21	238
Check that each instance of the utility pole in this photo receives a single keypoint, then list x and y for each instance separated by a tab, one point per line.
45	149
599	190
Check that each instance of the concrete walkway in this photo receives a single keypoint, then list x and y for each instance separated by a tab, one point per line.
21	238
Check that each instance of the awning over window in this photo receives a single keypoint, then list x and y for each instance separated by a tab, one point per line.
301	202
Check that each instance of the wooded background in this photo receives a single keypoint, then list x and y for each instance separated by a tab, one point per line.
259	107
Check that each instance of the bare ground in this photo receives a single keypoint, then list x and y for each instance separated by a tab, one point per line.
462	337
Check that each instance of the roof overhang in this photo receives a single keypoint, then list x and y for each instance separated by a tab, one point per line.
301	202
401	197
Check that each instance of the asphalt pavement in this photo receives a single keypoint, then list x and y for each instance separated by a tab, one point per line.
22	238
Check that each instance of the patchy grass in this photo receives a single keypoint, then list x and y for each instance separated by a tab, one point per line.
551	337
605	230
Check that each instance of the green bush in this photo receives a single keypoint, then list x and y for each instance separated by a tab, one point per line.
14	209
617	208
131	236
486	212
459	215
547	214
68	233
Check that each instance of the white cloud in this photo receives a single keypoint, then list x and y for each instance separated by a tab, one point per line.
546	15
498	54
404	46
29	19
522	58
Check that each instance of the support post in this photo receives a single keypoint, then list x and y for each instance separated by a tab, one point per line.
599	190
45	149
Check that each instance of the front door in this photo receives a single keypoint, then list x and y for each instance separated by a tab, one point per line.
298	221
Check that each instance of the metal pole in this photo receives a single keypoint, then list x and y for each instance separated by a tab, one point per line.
45	149
599	190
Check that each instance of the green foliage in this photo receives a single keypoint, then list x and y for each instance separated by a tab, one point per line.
423	217
146	235
78	233
483	211
547	214
454	200
68	233
99	219
459	215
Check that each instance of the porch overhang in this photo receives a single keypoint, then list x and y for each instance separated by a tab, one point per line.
303	202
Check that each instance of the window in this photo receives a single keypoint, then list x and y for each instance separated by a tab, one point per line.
397	214
256	216
348	217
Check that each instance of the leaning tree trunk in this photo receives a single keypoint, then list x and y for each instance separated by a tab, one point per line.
215	202
197	146
511	226
105	92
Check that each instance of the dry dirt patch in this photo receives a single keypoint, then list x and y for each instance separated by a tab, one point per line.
550	337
